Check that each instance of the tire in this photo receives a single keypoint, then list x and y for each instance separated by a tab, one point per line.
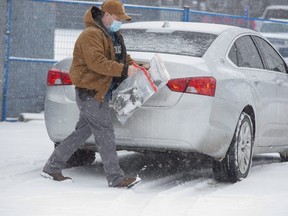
237	162
80	157
284	157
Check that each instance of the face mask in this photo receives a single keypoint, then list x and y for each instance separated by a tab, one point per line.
115	26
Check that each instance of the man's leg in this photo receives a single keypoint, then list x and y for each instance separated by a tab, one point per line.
98	117
67	147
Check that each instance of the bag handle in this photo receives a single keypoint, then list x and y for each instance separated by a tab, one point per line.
154	87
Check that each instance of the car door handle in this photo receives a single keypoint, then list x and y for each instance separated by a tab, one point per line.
279	82
256	80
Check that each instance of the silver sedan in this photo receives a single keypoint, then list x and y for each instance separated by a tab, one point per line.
227	96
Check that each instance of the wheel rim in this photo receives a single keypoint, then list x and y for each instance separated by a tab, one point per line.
244	147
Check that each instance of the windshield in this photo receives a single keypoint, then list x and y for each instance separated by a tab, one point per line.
170	42
274	27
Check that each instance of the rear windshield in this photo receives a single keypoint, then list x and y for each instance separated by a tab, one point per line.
176	42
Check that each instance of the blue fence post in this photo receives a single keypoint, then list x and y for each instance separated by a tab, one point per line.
5	91
186	14
246	14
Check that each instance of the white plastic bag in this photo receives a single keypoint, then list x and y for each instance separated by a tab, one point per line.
136	90
158	72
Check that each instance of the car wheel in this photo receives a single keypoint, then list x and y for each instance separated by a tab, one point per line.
80	157
237	162
284	157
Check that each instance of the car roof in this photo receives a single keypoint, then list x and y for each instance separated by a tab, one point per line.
285	7
216	29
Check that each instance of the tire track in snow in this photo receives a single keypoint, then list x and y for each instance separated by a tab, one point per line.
165	180
186	189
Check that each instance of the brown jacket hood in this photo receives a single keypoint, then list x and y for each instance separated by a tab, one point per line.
88	18
93	65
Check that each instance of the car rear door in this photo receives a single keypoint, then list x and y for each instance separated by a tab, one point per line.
247	57
275	64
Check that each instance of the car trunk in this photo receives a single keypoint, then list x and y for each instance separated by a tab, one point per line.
177	67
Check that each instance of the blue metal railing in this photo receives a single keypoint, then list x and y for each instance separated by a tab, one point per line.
21	59
186	14
69	2
5	91
99	4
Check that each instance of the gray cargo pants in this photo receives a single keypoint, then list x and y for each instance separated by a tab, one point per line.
94	118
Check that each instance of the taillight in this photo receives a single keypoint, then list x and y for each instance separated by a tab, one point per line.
195	85
56	77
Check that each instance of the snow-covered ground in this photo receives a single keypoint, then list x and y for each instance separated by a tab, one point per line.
175	187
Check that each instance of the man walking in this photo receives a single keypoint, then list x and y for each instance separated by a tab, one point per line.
99	63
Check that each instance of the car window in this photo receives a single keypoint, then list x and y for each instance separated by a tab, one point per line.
283	51
272	59
232	55
245	54
167	41
277	14
274	27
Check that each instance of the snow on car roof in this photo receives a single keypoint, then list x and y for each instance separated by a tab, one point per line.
277	7
180	26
